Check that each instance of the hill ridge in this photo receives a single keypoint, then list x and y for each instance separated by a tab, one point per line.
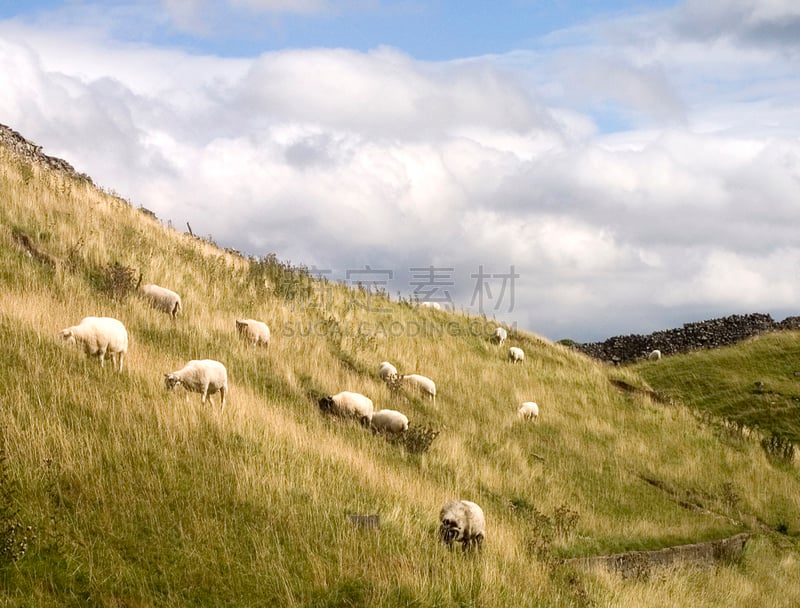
695	335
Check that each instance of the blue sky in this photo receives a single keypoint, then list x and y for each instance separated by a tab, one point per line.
435	30
636	163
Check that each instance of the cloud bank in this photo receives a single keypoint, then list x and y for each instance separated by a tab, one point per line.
634	173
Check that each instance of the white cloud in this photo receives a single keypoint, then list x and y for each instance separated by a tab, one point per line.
339	158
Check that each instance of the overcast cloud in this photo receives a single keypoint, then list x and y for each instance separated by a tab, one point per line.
636	171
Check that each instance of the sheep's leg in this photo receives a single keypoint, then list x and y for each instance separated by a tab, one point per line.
205	393
121	356
222	392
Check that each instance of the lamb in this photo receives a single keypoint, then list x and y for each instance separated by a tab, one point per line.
528	411
655	355
516	354
162	299
348	404
256	332
390	422
433	305
99	336
205	376
462	521
421	383
499	335
387	372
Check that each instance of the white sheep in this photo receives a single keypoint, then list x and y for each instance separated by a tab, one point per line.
162	299
99	336
390	422
421	383
387	372
499	335
255	332
528	411
204	376
655	355
348	404
433	305
462	521
516	354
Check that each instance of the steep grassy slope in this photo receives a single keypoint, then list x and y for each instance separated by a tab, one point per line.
755	384
139	497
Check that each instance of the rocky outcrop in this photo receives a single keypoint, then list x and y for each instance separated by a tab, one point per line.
30	152
692	336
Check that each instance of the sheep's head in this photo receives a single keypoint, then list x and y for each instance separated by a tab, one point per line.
66	335
450	530
241	326
326	404
171	380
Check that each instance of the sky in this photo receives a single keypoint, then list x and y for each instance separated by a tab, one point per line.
577	168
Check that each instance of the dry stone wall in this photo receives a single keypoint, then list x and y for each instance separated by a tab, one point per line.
30	152
692	336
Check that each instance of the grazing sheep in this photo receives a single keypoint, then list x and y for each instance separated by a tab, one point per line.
162	299
348	404
655	355
390	422
516	354
387	371
462	521
99	336
528	411
256	332
205	376
434	305
421	383
499	335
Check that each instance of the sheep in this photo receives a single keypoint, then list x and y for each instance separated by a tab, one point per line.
387	372
655	355
499	335
390	422
421	383
433	305
256	332
348	404
528	411
99	336
204	376
516	354
162	299
462	521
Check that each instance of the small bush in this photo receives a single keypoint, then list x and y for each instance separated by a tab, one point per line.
116	281
417	439
778	448
546	529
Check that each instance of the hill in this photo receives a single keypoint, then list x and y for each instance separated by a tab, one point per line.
754	385
116	492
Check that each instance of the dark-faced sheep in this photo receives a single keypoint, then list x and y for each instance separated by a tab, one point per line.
349	405
462	521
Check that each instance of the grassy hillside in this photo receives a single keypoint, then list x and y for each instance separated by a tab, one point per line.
754	384
118	493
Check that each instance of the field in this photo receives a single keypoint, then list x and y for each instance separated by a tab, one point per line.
117	493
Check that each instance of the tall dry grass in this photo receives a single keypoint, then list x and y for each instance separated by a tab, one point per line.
137	496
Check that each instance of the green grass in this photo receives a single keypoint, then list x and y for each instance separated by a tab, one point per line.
135	496
754	384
